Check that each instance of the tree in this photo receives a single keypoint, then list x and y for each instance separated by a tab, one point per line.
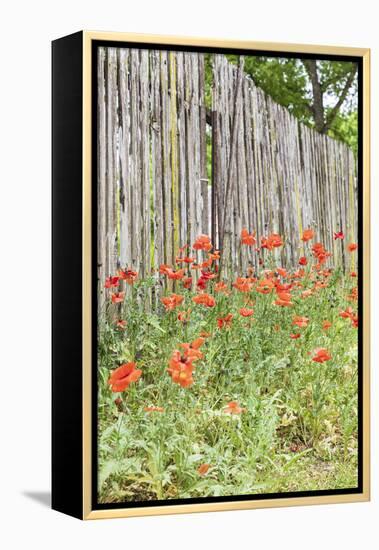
322	94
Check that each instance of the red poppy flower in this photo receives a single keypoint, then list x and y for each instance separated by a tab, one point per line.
246	312
204	278
326	325
308	234
352	246
339	235
233	408
111	282
175	275
248	238
301	322
117	297
128	275
354	321
303	260
225	321
204	299
265	286
123	376
170	302
121	323
187	282
321	355
295	336
203	469
353	274
203	242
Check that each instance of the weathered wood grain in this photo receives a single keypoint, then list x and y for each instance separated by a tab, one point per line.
270	173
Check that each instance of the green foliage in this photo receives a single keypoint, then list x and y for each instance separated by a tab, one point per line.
298	430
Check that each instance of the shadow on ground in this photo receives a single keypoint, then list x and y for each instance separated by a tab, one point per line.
42	497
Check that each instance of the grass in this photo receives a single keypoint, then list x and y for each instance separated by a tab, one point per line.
296	428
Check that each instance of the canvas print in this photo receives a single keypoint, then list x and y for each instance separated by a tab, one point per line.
227	275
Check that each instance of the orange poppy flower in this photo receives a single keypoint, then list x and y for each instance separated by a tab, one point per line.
243	284
301	322
170	302
283	299
117	297
185	260
233	408
206	264
203	469
184	316
265	286
348	313
308	234
163	268
214	256
111	282
225	321
303	260
307	293
204	299
203	242
321	355
295	336
299	274
282	272
246	312
353	294
205	334
352	246
121	324
128	275
153	409
354	321
320	253
221	287
272	241
181	369
326	325
248	238
175	275
320	284
123	376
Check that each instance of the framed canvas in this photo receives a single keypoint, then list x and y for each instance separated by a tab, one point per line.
210	275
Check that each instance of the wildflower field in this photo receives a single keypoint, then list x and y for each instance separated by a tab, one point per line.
215	386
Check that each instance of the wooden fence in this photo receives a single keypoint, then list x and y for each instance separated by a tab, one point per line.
272	172
285	176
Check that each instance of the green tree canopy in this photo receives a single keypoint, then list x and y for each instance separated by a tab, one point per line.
322	94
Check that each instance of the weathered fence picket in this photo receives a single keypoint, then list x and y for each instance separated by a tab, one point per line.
270	173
